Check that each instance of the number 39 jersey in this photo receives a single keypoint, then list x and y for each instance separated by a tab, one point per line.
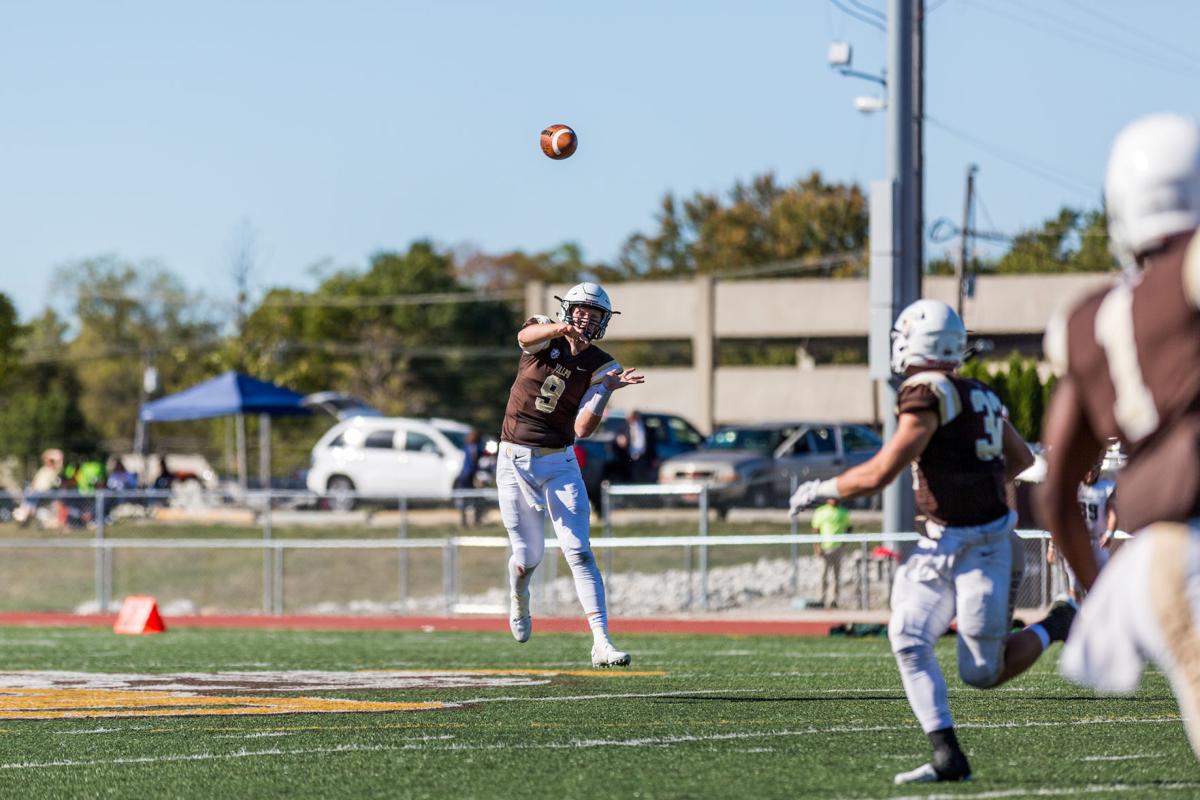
550	385
1132	352
959	478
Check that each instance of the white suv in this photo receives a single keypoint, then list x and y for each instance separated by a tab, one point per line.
388	457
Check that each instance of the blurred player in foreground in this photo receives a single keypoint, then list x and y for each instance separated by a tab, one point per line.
969	561
1129	357
563	384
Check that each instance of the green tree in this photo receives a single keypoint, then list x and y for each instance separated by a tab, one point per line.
40	404
1070	241
379	335
762	222
129	317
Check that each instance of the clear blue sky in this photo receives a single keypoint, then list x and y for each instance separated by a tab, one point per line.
156	131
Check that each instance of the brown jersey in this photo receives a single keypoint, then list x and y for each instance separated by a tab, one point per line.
1133	353
544	399
959	478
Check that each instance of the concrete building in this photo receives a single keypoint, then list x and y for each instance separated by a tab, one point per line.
1011	309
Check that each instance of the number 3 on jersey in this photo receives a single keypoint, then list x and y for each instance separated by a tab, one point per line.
552	389
992	444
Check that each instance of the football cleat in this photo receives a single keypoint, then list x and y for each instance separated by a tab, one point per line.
1057	622
519	620
947	765
607	655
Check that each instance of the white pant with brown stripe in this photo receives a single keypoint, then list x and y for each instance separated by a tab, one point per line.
1144	607
533	486
968	572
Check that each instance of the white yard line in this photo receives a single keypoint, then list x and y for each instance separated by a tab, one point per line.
1135	757
1055	792
440	743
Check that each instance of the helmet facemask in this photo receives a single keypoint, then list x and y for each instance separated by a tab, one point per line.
593	329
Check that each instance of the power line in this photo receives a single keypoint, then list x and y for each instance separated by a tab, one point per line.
872	21
817	264
1071	31
431	298
870	10
1051	174
1125	29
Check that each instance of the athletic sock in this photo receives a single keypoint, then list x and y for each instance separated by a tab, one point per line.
1042	634
949	761
517	581
599	625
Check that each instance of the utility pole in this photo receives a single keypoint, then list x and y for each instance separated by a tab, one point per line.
896	227
964	252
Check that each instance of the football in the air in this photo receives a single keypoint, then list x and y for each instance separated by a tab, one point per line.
559	142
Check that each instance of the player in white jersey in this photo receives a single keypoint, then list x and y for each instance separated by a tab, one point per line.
1095	497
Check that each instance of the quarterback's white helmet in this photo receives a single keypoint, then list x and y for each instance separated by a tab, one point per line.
928	333
1152	186
587	294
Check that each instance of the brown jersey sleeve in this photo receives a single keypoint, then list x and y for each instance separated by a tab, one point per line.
929	391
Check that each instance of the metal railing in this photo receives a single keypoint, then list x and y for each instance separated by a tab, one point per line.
96	514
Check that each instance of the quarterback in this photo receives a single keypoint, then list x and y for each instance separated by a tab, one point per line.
1129	356
969	561
563	384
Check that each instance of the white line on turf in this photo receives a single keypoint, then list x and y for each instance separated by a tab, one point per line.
345	748
1135	757
1061	791
259	735
440	743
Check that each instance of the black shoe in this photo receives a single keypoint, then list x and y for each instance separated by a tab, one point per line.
1057	623
946	766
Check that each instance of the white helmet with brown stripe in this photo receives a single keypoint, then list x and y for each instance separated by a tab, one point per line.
928	333
591	295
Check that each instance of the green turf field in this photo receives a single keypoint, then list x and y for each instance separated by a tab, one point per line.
728	718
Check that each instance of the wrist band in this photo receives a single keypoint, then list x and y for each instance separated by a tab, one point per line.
598	400
828	488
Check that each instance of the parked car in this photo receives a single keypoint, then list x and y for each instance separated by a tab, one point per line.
756	465
672	434
387	457
597	461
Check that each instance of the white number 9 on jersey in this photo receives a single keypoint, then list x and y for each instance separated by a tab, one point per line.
991	446
552	389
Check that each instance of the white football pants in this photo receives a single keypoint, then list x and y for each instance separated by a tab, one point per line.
1144	607
532	486
967	572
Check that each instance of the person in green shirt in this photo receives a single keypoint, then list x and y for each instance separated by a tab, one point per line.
829	521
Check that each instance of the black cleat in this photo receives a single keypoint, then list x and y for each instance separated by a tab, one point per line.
1057	623
946	766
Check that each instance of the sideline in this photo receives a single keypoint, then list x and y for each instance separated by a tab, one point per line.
429	624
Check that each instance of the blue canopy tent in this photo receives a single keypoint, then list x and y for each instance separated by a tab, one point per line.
230	394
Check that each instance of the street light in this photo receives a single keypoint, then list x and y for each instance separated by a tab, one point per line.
840	56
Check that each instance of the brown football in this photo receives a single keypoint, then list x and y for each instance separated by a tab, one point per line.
559	142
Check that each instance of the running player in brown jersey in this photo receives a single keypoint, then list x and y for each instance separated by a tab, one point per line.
969	560
1129	358
563	384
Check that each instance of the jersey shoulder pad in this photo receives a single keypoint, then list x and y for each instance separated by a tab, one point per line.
536	319
930	391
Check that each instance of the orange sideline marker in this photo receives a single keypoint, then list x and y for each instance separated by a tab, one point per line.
139	614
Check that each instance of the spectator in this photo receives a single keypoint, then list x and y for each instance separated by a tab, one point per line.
830	520
47	479
620	468
120	479
643	449
165	477
473	451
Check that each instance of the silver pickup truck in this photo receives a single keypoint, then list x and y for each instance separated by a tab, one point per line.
756	465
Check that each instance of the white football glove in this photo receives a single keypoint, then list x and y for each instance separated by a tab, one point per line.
806	495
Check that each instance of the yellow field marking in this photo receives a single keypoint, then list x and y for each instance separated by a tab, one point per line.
101	703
